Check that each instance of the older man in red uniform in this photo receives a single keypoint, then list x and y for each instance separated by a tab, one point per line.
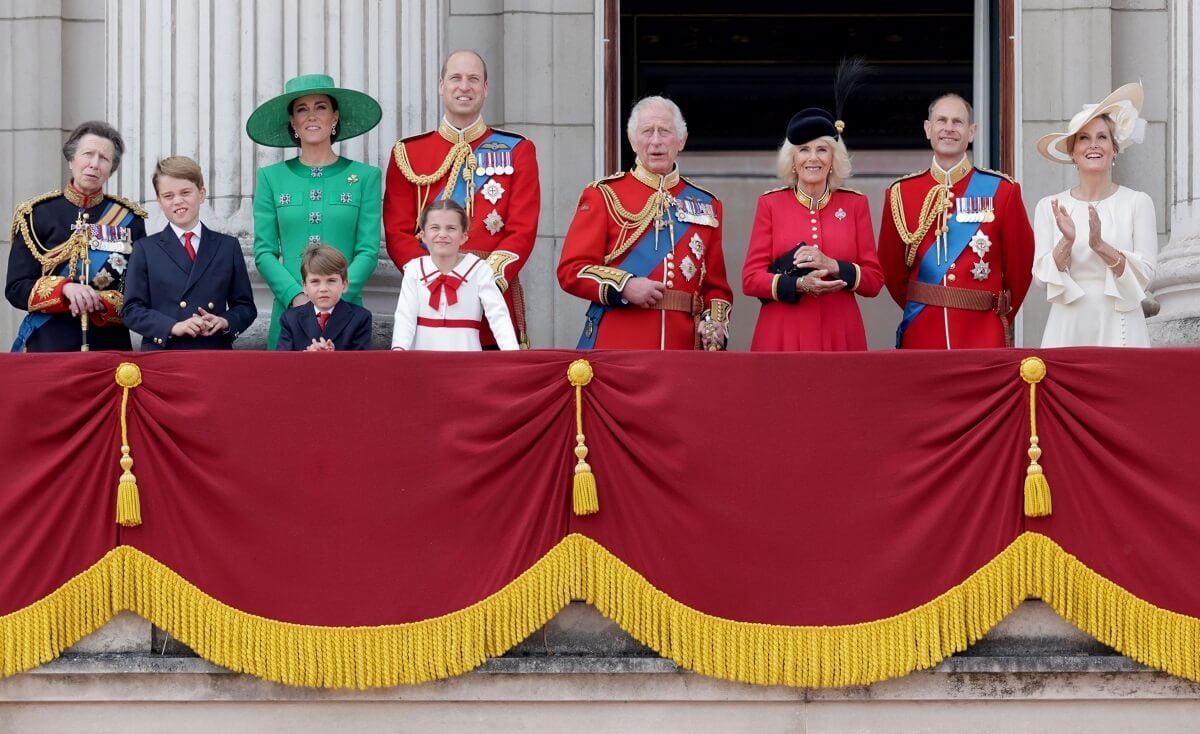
645	248
955	244
492	173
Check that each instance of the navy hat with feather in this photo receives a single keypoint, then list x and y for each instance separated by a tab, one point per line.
813	122
809	124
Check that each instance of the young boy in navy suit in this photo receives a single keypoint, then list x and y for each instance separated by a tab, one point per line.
187	286
326	323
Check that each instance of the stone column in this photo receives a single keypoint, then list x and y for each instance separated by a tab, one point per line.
183	78
1177	281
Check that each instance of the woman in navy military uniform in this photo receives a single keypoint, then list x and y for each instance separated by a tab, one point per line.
67	263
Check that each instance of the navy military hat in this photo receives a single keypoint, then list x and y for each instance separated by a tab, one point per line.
812	123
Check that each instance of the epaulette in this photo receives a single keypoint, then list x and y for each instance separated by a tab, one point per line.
25	208
692	183
916	174
136	209
851	191
611	177
1001	174
411	138
776	189
509	132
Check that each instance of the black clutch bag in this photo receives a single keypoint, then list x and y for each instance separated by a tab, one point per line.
785	264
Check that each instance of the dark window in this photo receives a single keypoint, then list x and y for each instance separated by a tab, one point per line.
739	71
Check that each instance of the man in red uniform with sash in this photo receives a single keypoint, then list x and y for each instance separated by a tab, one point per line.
491	173
645	248
955	244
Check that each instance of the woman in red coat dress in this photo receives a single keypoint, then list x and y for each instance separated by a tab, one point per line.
812	247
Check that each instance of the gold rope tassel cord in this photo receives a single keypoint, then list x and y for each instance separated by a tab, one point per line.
583	495
1037	487
129	505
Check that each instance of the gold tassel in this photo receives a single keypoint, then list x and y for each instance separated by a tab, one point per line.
129	504
584	497
1037	487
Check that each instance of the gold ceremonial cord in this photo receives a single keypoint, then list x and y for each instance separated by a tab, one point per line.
460	157
936	204
49	258
635	224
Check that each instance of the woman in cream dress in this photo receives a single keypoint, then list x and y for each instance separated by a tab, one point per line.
1097	242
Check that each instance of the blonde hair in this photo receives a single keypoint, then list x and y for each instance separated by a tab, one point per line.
839	171
1112	135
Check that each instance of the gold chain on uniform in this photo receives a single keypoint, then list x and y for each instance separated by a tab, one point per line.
460	157
48	258
933	209
635	224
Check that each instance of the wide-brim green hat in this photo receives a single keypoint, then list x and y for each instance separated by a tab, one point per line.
357	112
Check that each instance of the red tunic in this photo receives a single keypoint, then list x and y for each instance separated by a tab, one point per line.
695	266
842	228
1009	261
501	233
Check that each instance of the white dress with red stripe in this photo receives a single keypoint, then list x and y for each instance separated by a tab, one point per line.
443	312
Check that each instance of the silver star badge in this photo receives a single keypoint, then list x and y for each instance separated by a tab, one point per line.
688	268
117	262
840	214
697	246
493	222
981	270
492	191
981	244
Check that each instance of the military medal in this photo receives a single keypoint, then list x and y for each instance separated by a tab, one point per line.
479	170
981	270
688	268
493	222
980	244
492	191
109	238
840	214
508	166
694	211
697	246
490	168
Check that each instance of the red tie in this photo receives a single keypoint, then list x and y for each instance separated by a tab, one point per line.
447	283
187	245
322	319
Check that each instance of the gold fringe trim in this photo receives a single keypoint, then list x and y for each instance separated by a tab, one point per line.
39	633
579	567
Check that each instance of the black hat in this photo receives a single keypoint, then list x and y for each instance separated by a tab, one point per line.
809	124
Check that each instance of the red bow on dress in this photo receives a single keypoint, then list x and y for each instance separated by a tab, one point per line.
444	282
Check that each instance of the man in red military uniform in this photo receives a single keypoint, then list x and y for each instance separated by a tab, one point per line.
645	248
491	173
955	244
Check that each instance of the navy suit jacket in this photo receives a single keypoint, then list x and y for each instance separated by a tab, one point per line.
163	286
349	328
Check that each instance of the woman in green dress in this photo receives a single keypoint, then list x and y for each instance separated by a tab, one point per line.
318	197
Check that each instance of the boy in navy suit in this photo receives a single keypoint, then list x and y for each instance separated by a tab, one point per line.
187	286
326	323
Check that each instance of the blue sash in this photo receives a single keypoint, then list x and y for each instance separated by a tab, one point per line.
459	193
930	271
641	260
34	321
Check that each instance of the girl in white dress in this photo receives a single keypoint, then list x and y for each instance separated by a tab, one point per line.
446	294
1096	244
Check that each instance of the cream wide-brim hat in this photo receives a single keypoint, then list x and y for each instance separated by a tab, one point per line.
1123	105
